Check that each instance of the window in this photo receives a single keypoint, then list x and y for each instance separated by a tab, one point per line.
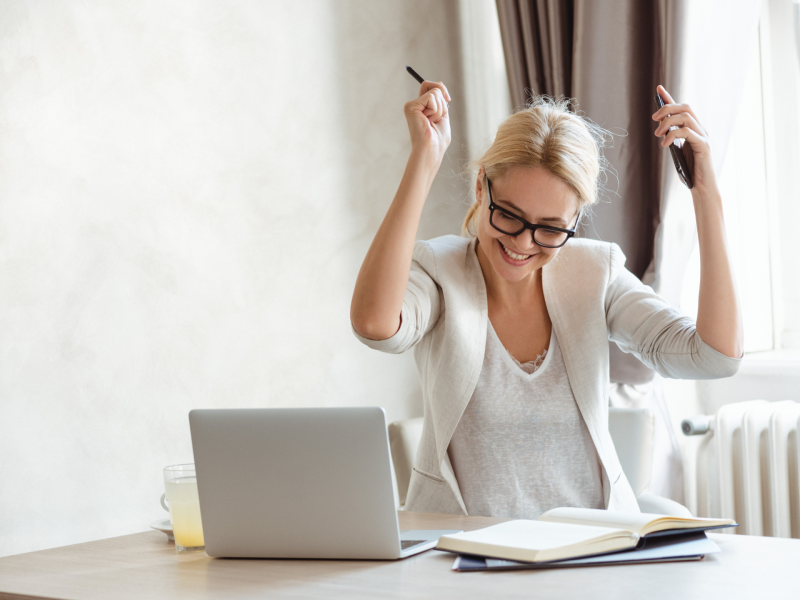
760	185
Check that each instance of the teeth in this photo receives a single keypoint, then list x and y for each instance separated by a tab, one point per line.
513	255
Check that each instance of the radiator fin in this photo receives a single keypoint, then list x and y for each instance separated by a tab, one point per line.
749	468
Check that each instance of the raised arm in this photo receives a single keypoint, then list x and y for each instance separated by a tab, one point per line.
719	319
383	278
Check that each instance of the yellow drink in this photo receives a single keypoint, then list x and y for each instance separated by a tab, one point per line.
184	512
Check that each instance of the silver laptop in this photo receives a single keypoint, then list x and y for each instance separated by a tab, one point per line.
299	483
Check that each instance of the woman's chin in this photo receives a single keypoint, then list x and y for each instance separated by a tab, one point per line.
515	275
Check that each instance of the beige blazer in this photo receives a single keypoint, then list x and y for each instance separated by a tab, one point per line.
591	298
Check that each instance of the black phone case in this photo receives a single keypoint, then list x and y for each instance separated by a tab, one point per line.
678	158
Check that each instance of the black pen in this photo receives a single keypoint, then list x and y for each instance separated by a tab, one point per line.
414	74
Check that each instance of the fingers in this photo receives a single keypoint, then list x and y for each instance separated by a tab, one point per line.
670	108
695	139
661	91
673	109
679	120
427	86
431	104
439	109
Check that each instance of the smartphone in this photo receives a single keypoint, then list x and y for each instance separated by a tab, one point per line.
678	157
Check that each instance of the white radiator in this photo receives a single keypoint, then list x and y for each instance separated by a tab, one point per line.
747	466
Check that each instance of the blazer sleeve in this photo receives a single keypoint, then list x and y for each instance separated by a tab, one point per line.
642	323
421	305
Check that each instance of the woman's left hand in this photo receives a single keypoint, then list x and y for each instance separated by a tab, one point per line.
696	148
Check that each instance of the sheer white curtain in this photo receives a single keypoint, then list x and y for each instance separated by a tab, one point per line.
707	44
486	101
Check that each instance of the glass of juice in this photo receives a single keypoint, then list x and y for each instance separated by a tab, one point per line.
180	482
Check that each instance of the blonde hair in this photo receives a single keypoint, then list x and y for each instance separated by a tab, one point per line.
546	134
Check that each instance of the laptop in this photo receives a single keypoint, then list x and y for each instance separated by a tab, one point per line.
299	483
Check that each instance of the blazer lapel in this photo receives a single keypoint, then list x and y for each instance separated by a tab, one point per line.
468	315
565	314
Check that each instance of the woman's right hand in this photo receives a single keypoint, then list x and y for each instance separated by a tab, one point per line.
428	119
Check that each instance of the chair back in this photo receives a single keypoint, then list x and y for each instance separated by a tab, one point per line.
632	431
404	437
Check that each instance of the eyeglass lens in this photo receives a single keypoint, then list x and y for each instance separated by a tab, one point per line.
510	225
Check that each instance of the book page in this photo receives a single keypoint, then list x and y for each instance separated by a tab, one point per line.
630	521
532	535
641	523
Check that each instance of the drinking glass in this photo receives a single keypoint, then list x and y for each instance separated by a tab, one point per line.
180	482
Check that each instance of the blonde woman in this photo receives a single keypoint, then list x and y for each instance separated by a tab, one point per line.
510	324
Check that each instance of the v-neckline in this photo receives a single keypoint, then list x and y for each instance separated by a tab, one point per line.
510	359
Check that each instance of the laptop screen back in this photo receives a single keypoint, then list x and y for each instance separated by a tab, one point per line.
295	483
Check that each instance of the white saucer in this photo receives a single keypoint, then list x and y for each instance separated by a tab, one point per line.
164	526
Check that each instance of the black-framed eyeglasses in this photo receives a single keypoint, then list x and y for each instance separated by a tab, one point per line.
543	235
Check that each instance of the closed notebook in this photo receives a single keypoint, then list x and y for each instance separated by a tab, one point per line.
565	533
538	541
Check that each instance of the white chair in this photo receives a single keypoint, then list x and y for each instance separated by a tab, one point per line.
632	431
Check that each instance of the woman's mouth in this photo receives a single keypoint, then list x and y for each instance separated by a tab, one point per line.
512	257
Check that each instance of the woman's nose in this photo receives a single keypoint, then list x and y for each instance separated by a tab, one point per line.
524	240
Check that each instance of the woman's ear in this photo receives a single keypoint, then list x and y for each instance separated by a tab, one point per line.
479	186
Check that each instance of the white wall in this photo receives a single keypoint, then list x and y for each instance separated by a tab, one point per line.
186	192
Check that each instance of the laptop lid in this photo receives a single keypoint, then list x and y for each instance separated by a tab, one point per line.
295	483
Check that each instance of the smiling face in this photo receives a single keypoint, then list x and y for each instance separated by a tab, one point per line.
538	197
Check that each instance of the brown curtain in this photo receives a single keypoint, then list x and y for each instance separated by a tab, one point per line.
537	41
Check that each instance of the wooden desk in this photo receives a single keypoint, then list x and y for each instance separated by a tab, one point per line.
145	565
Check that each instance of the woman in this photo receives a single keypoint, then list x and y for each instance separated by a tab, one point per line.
511	327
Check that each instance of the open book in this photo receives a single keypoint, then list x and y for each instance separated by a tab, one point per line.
564	533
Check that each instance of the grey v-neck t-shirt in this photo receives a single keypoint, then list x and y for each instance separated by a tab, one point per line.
521	446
